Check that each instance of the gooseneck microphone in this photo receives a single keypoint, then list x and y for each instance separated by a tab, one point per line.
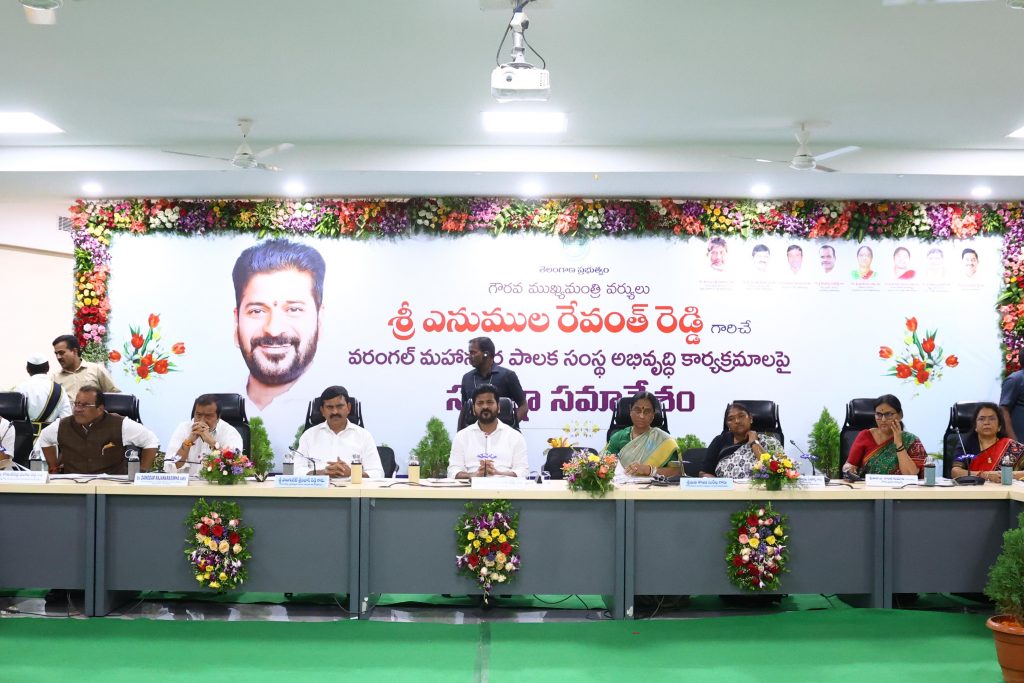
810	458
968	479
312	461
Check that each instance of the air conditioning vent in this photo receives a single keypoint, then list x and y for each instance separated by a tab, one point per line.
63	224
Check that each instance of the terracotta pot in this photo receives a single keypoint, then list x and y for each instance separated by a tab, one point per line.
1009	635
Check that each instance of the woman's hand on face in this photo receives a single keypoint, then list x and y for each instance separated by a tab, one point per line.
751	436
896	427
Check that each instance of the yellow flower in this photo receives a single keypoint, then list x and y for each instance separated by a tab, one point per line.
502	539
765	457
511	533
770	540
778	530
476	544
754	542
236	548
787	463
469	549
214	584
223	576
199	577
224	546
470	536
593	458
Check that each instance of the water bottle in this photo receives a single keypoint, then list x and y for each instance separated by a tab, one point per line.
1006	470
929	474
414	469
288	468
132	455
357	469
36	461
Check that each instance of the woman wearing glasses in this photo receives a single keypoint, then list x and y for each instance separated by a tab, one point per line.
991	444
733	452
887	448
643	450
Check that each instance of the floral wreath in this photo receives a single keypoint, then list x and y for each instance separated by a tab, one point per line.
95	222
488	537
217	547
758	548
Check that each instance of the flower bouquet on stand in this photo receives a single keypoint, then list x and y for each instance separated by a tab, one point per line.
487	536
226	466
773	471
217	545
590	472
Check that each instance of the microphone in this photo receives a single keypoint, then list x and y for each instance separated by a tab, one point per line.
312	461
810	458
968	479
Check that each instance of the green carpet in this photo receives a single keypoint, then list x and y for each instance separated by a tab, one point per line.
835	645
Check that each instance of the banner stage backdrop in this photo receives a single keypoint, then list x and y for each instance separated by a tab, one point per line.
699	323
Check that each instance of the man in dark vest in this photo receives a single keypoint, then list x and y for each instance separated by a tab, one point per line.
92	441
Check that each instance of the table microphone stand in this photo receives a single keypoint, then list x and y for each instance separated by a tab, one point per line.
968	479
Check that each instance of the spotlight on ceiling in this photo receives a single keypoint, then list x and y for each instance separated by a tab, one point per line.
981	192
41	12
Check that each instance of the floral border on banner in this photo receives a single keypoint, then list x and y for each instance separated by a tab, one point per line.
95	222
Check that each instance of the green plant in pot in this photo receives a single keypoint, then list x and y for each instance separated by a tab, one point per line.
260	452
823	443
433	450
1006	587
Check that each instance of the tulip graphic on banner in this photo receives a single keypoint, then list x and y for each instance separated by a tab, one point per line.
144	355
921	361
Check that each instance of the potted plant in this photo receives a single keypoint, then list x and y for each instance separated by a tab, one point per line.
1006	588
823	443
260	452
433	450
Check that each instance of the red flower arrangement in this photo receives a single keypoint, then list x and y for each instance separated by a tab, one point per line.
921	361
488	536
144	354
217	545
758	548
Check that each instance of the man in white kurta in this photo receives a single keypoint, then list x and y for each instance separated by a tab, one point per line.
47	400
194	439
488	447
329	447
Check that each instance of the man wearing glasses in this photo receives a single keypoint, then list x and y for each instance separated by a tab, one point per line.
92	441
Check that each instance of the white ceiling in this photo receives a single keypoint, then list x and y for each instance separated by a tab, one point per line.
383	97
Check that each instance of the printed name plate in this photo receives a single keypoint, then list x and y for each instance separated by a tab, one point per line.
706	484
890	480
811	481
499	483
23	477
161	479
302	481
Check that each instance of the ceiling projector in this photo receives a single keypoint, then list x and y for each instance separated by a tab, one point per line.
520	83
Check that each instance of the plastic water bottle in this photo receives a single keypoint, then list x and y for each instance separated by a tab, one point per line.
1006	470
36	461
414	469
357	470
288	468
132	455
929	474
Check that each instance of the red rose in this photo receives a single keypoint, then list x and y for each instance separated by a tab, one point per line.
142	371
218	530
160	367
234	538
928	344
922	376
506	548
473	561
952	361
773	466
154	320
178	348
737	561
752	519
903	371
204	530
884	352
114	356
137	341
912	324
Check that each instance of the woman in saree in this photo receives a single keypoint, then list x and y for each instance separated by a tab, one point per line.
863	270
990	443
886	448
643	450
732	453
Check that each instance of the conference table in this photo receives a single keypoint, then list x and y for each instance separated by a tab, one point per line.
114	540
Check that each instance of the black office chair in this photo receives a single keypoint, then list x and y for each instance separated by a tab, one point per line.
387	460
765	417
506	413
693	461
561	455
14	407
961	416
620	416
860	415
232	411
125	405
314	417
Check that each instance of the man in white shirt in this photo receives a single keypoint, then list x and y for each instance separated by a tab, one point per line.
328	448
47	400
488	447
194	439
92	441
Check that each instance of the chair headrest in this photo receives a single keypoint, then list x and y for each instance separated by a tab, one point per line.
13	405
625	404
962	415
122	404
860	413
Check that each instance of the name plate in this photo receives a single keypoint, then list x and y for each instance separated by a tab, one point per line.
160	479
890	480
811	481
24	477
302	481
706	484
499	483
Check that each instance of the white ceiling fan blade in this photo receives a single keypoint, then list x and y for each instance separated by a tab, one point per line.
267	167
284	146
836	152
190	154
824	169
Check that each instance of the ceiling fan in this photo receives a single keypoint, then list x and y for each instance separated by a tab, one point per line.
1012	4
244	157
803	160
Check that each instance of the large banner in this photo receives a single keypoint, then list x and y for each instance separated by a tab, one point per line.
808	324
